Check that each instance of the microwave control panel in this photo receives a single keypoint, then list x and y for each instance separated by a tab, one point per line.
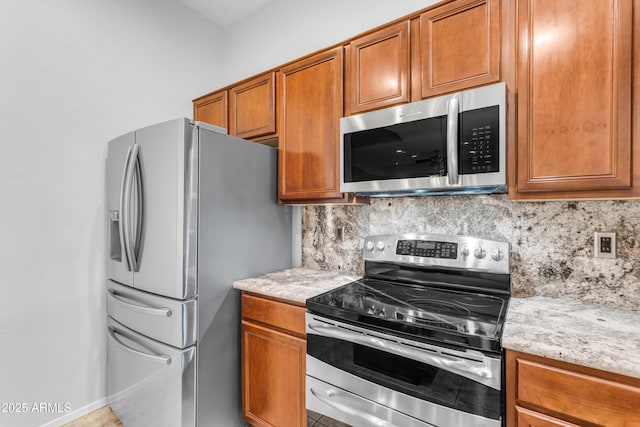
479	131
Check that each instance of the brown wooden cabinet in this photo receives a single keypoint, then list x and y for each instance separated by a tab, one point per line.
247	109
377	69
212	109
273	362
252	108
575	99
310	107
460	46
547	393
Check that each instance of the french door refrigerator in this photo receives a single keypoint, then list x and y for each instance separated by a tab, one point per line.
190	210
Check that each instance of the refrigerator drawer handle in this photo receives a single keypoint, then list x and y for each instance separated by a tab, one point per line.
156	311
155	357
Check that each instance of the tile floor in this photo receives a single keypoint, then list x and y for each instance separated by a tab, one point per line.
104	417
316	420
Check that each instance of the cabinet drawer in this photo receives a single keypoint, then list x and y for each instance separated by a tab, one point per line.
589	398
528	418
287	317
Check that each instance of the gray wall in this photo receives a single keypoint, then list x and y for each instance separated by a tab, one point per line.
551	242
73	75
285	30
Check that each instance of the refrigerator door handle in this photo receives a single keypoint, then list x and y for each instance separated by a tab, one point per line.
155	311
132	235
162	358
137	175
124	210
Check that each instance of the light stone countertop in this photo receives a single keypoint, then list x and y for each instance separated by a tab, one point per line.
295	284
594	336
563	329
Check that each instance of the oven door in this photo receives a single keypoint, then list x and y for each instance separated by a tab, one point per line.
364	377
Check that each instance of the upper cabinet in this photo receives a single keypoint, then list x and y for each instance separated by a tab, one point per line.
460	46
310	107
572	97
252	108
247	109
575	98
377	69
212	108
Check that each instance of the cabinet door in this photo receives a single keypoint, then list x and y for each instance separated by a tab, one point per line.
310	93
212	109
460	46
273	377
377	69
574	96
567	393
252	107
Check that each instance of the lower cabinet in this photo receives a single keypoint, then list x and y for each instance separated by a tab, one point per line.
548	393
273	362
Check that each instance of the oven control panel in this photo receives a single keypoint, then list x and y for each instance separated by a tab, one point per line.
436	250
427	248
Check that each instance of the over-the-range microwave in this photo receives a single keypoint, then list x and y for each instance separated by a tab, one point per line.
454	143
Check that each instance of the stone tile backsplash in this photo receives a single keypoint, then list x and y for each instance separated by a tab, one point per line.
551	242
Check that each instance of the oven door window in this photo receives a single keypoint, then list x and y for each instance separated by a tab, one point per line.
406	150
408	376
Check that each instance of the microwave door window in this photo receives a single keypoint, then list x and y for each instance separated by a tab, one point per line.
406	150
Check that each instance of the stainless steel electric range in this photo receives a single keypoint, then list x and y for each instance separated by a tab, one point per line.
416	341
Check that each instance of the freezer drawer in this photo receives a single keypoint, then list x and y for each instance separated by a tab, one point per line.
167	320
149	383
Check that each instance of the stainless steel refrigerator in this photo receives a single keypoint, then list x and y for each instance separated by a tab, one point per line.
190	210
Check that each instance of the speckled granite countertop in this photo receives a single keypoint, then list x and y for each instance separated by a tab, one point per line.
563	329
572	331
295	284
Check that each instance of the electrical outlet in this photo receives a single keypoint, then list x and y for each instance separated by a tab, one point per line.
339	234
604	245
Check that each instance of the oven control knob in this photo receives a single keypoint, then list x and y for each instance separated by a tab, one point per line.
497	254
480	253
370	245
464	251
380	245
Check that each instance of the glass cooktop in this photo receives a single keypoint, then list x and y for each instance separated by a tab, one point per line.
470	319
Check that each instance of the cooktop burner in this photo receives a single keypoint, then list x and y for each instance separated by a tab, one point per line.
459	301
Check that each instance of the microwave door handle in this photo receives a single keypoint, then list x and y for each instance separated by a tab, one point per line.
125	196
452	141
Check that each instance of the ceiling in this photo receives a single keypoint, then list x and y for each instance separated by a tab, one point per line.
224	12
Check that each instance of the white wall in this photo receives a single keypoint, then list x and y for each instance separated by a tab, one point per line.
74	74
285	30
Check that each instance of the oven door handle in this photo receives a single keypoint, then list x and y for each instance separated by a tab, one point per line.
475	370
349	410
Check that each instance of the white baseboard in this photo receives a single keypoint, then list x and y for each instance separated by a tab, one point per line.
78	413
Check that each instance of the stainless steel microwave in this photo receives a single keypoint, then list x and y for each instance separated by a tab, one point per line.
454	143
